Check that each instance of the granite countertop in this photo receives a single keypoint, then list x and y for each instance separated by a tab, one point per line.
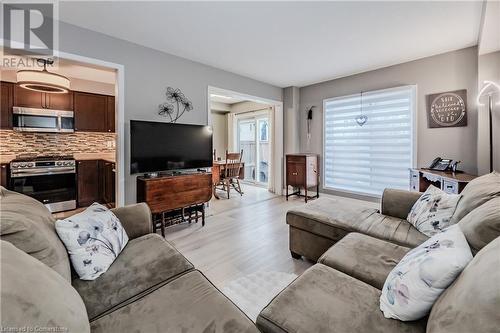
108	157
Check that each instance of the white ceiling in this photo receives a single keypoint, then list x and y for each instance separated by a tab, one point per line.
287	43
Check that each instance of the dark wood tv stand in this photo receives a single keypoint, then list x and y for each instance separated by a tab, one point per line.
175	198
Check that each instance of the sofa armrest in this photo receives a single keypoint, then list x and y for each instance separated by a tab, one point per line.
136	219
398	203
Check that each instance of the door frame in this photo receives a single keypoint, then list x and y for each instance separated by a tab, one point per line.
278	157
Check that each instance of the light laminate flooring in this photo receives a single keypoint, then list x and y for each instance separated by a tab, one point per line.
240	239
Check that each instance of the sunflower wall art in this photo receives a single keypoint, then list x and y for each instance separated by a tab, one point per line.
175	106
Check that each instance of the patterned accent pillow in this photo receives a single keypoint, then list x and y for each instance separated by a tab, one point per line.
417	281
93	238
433	211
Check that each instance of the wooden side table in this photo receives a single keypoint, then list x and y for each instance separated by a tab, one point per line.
421	179
302	172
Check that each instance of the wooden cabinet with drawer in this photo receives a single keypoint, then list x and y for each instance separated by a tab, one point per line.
302	172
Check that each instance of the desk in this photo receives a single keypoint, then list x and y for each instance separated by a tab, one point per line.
218	168
421	179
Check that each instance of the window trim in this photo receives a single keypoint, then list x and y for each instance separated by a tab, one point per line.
414	139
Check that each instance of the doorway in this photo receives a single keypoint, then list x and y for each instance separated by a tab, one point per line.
255	125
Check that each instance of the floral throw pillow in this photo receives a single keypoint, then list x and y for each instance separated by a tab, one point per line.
416	282
93	238
433	211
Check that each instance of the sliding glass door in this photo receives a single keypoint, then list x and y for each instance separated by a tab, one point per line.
253	139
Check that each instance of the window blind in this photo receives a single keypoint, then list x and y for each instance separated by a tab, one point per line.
366	158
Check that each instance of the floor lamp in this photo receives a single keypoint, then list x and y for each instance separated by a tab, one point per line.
489	89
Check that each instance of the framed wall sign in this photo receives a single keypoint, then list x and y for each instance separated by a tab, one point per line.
448	109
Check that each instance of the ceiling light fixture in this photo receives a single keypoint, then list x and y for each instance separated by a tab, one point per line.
43	81
220	96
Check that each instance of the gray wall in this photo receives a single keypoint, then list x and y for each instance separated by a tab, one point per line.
488	69
292	114
147	74
449	71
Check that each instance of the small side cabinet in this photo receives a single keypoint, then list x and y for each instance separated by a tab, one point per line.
302	172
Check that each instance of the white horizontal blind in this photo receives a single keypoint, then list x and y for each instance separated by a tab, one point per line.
366	159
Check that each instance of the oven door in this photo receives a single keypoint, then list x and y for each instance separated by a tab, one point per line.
56	191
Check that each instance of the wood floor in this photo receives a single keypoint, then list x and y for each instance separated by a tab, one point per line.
241	240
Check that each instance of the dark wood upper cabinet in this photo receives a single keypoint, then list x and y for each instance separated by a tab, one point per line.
59	101
34	99
110	113
88	182
28	98
90	112
6	104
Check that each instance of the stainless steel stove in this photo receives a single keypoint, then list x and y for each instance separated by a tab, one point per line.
49	179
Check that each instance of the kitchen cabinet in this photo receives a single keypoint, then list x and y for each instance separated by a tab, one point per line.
6	104
87	182
90	112
4	175
110	114
59	101
107	182
38	100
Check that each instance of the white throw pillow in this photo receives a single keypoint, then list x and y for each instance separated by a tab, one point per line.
416	282
433	211
93	238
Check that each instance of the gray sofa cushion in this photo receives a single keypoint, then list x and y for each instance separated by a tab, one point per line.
326	300
145	262
190	303
28	224
365	258
477	192
334	219
482	225
472	302
34	295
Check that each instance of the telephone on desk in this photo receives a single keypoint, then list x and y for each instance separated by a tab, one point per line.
441	164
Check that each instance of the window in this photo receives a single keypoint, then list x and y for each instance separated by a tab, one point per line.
368	140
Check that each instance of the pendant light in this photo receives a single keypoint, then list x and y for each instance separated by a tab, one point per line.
43	81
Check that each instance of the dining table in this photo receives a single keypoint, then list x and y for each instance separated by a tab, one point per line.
218	171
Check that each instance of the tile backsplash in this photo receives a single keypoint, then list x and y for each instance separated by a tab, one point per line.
16	143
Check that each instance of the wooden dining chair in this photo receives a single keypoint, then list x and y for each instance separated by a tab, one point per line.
231	173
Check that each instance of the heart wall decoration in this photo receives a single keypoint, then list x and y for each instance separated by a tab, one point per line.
361	119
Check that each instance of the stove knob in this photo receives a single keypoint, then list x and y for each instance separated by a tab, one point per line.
23	165
31	164
59	163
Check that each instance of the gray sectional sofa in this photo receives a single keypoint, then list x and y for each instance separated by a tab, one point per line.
357	248
150	287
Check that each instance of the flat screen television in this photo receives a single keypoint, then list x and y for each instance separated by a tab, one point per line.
156	146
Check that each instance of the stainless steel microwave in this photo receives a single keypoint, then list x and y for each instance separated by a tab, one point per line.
42	120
